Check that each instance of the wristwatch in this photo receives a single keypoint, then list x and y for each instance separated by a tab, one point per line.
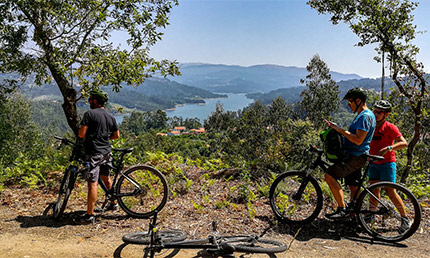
390	148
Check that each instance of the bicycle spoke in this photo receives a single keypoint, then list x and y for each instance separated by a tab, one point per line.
142	190
295	198
389	212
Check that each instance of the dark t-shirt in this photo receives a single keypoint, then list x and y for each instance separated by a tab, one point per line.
101	125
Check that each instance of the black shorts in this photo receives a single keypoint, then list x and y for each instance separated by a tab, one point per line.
349	169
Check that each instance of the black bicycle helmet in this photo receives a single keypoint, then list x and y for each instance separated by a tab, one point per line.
100	95
356	93
383	104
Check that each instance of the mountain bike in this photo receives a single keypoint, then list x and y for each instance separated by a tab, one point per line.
215	245
139	190
296	197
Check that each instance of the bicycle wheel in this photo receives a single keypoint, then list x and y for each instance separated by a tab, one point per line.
142	190
295	198
250	244
66	188
392	215
144	238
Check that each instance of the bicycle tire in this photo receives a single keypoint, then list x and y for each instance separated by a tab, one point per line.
385	223
66	187
152	194
144	238
283	203
250	244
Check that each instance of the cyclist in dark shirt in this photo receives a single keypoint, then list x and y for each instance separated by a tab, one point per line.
97	128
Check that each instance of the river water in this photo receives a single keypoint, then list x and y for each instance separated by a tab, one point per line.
202	112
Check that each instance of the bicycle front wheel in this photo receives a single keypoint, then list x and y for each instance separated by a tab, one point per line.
250	244
66	187
388	211
142	190
295	197
144	238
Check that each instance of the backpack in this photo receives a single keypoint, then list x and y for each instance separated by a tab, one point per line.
332	144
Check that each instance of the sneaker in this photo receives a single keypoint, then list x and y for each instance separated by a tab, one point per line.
405	225
85	220
110	207
340	213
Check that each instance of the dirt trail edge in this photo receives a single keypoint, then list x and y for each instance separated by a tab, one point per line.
26	233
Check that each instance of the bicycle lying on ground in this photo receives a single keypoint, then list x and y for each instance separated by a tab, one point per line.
385	210
140	189
215	245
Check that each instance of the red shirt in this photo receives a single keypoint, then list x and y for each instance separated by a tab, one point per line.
384	136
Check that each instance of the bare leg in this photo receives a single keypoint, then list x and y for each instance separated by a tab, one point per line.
92	197
336	189
354	192
108	183
397	201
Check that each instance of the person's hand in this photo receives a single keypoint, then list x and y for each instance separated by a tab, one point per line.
331	124
383	151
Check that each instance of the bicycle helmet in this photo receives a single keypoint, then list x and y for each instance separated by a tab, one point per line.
383	104
100	95
356	93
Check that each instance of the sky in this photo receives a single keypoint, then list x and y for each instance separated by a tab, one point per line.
279	32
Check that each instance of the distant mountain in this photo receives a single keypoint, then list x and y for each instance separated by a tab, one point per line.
292	95
153	94
240	79
158	93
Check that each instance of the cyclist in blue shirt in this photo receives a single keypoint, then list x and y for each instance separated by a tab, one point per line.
356	143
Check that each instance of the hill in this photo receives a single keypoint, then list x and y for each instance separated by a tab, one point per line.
240	79
154	93
292	95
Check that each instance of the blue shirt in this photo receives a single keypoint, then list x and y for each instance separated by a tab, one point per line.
364	121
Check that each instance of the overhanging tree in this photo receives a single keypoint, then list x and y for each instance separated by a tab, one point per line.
66	40
389	24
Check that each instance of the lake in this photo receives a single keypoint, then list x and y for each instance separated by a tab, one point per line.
202	112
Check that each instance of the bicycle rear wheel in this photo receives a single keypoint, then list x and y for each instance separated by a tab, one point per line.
144	238
295	197
142	190
392	215
66	187
250	244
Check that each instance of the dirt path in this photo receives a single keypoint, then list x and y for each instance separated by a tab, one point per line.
25	233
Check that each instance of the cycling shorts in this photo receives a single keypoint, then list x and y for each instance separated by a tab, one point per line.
99	165
349	169
383	172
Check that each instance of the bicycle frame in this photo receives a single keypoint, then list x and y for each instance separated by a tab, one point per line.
211	244
319	162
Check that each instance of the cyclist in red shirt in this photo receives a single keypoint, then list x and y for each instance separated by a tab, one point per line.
386	139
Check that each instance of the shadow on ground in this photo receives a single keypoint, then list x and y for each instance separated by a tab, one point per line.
66	219
333	230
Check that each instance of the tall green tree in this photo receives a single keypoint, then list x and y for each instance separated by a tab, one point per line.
321	99
389	24
278	114
60	40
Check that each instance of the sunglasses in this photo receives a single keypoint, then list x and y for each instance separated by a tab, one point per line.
378	112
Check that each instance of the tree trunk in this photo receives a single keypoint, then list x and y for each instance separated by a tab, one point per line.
412	143
69	98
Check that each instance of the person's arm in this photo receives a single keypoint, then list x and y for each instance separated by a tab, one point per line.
400	143
82	131
357	138
114	135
